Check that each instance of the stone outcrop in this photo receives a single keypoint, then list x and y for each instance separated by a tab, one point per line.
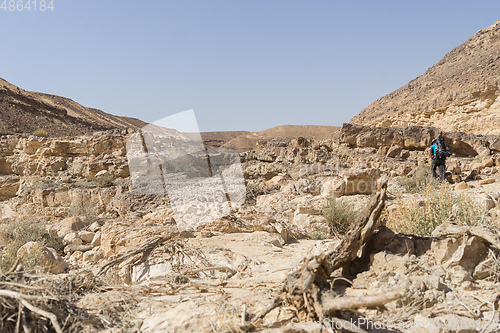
80	157
417	138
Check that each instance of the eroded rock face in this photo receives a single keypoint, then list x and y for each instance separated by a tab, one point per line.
418	138
78	157
360	181
8	186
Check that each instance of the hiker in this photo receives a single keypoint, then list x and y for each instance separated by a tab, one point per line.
438	152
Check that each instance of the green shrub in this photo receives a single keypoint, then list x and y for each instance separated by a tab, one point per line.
419	181
421	216
18	233
317	235
340	215
104	180
40	133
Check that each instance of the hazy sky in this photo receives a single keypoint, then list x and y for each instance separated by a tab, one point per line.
241	65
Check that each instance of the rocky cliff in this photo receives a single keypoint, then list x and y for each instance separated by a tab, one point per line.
459	93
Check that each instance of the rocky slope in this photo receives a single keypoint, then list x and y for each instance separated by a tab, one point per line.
80	190
459	93
24	111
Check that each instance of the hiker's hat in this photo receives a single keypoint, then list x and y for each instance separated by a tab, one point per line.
433	141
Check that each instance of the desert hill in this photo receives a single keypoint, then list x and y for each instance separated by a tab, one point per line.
459	93
217	139
24	111
247	140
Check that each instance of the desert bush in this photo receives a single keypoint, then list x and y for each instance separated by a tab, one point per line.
421	216
104	180
255	189
18	233
419	181
44	183
40	133
317	235
340	215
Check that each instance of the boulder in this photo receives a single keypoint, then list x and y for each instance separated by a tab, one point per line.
485	163
94	227
485	201
50	261
86	236
454	167
462	186
96	241
418	137
278	181
394	151
300	142
77	247
333	187
92	257
69	225
8	186
75	258
484	269
72	238
303	186
360	181
487	181
466	253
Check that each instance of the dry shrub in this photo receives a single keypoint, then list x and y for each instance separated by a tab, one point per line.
104	180
340	215
43	183
419	181
18	233
255	189
81	208
40	133
54	294
420	216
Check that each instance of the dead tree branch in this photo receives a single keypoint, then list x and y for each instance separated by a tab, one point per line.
145	249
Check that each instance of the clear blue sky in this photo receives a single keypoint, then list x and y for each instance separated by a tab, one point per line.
241	65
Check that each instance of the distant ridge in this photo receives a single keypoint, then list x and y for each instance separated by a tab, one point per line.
24	111
247	141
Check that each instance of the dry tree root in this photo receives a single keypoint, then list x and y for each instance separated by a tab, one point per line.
369	301
145	249
307	288
44	303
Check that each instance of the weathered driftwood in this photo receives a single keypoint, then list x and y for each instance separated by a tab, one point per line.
52	317
368	301
145	249
22	299
306	288
223	269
